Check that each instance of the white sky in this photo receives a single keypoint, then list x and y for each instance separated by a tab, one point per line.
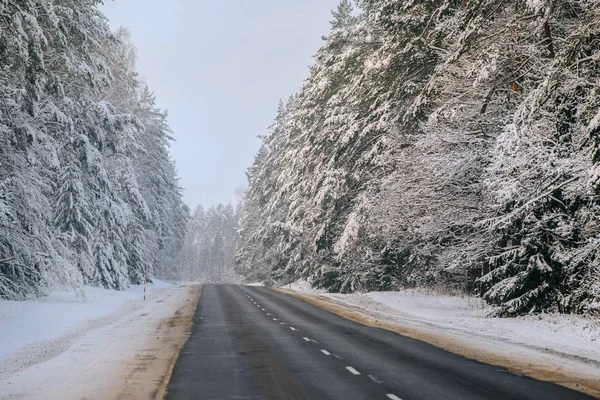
220	68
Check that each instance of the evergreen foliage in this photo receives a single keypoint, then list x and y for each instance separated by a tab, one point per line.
450	143
88	194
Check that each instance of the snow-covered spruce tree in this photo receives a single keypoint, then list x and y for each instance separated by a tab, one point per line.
48	75
267	234
144	175
74	218
124	94
332	154
248	263
70	186
279	215
544	172
492	57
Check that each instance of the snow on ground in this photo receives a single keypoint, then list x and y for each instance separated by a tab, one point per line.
303	286
255	284
569	334
25	322
107	345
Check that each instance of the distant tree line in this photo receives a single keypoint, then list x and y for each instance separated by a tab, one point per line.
448	143
211	244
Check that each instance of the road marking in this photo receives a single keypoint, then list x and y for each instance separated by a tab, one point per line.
374	379
269	314
292	328
307	339
353	371
393	397
282	323
274	319
326	352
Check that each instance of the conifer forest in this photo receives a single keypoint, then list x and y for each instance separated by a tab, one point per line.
88	192
300	199
445	144
452	144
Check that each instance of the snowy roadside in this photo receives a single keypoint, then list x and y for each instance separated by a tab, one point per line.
564	345
108	345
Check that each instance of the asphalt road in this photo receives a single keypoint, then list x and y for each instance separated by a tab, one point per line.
253	343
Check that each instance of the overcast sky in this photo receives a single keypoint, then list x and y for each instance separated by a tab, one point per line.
220	68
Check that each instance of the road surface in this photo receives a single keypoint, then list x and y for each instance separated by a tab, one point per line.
253	343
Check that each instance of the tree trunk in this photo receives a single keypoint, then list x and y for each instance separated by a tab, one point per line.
549	41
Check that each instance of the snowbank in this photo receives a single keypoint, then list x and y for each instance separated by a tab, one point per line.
23	323
109	345
568	334
303	286
254	284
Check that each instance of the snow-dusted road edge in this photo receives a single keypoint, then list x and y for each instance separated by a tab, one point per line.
562	349
125	354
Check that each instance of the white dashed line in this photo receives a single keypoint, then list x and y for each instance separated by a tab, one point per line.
269	314
326	352
292	328
307	339
282	323
353	371
274	319
374	379
393	397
